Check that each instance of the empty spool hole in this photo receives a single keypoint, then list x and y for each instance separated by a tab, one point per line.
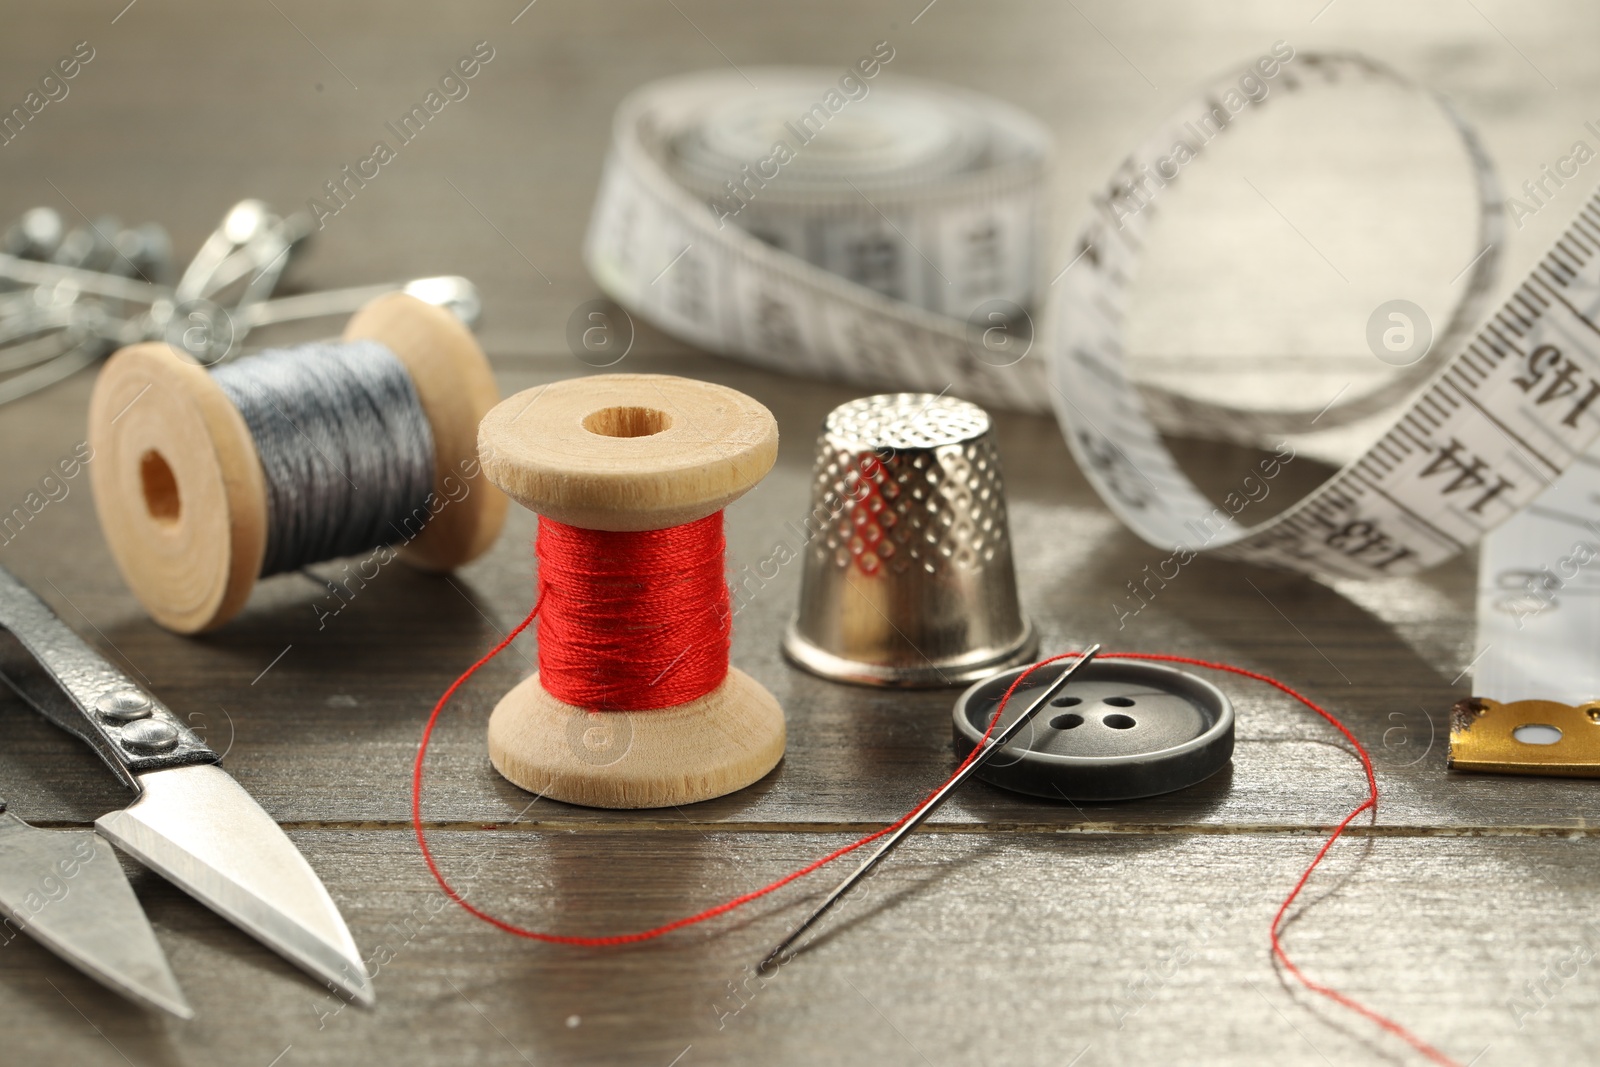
160	488
1066	722
1120	702
1536	734
1119	722
627	422
1067	702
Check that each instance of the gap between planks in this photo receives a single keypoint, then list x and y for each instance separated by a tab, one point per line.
525	826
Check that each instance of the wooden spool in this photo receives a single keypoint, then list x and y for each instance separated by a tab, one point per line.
180	490
626	452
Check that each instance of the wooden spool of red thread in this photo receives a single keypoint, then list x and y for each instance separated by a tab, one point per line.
623	453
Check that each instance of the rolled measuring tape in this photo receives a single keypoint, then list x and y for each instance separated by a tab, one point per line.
1493	419
847	243
895	236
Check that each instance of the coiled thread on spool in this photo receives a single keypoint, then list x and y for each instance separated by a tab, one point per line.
632	621
345	447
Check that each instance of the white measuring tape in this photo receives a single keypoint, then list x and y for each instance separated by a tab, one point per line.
852	265
909	207
1539	596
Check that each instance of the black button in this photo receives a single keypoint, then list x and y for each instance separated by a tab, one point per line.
1136	729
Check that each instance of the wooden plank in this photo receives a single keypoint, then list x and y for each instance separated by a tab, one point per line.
1015	948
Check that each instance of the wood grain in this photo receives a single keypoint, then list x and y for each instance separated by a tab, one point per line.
628	452
1017	949
178	488
695	751
1014	932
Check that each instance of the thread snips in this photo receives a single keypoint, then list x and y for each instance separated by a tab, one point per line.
191	823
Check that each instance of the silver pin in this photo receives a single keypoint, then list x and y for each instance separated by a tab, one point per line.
32	272
36	235
452	292
68	298
246	225
995	744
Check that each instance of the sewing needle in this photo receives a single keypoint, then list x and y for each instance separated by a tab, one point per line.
995	744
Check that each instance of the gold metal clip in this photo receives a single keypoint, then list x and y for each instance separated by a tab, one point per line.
1525	737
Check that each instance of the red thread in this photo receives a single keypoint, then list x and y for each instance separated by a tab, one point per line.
632	621
1369	804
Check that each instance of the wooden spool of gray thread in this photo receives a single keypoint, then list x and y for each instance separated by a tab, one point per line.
185	500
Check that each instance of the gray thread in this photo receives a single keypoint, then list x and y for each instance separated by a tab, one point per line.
345	446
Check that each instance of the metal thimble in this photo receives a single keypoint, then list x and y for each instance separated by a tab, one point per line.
908	578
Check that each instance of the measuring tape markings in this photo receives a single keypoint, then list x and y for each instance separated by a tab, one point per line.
744	298
1120	228
899	197
1484	436
1481	442
656	246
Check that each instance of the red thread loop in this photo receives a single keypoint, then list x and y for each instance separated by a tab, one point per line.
1368	803
632	621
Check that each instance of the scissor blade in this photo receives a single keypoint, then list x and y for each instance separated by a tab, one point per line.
202	831
66	889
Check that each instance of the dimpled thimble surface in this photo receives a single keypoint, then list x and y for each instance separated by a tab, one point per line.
908	578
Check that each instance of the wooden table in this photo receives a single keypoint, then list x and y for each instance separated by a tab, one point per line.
1009	931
